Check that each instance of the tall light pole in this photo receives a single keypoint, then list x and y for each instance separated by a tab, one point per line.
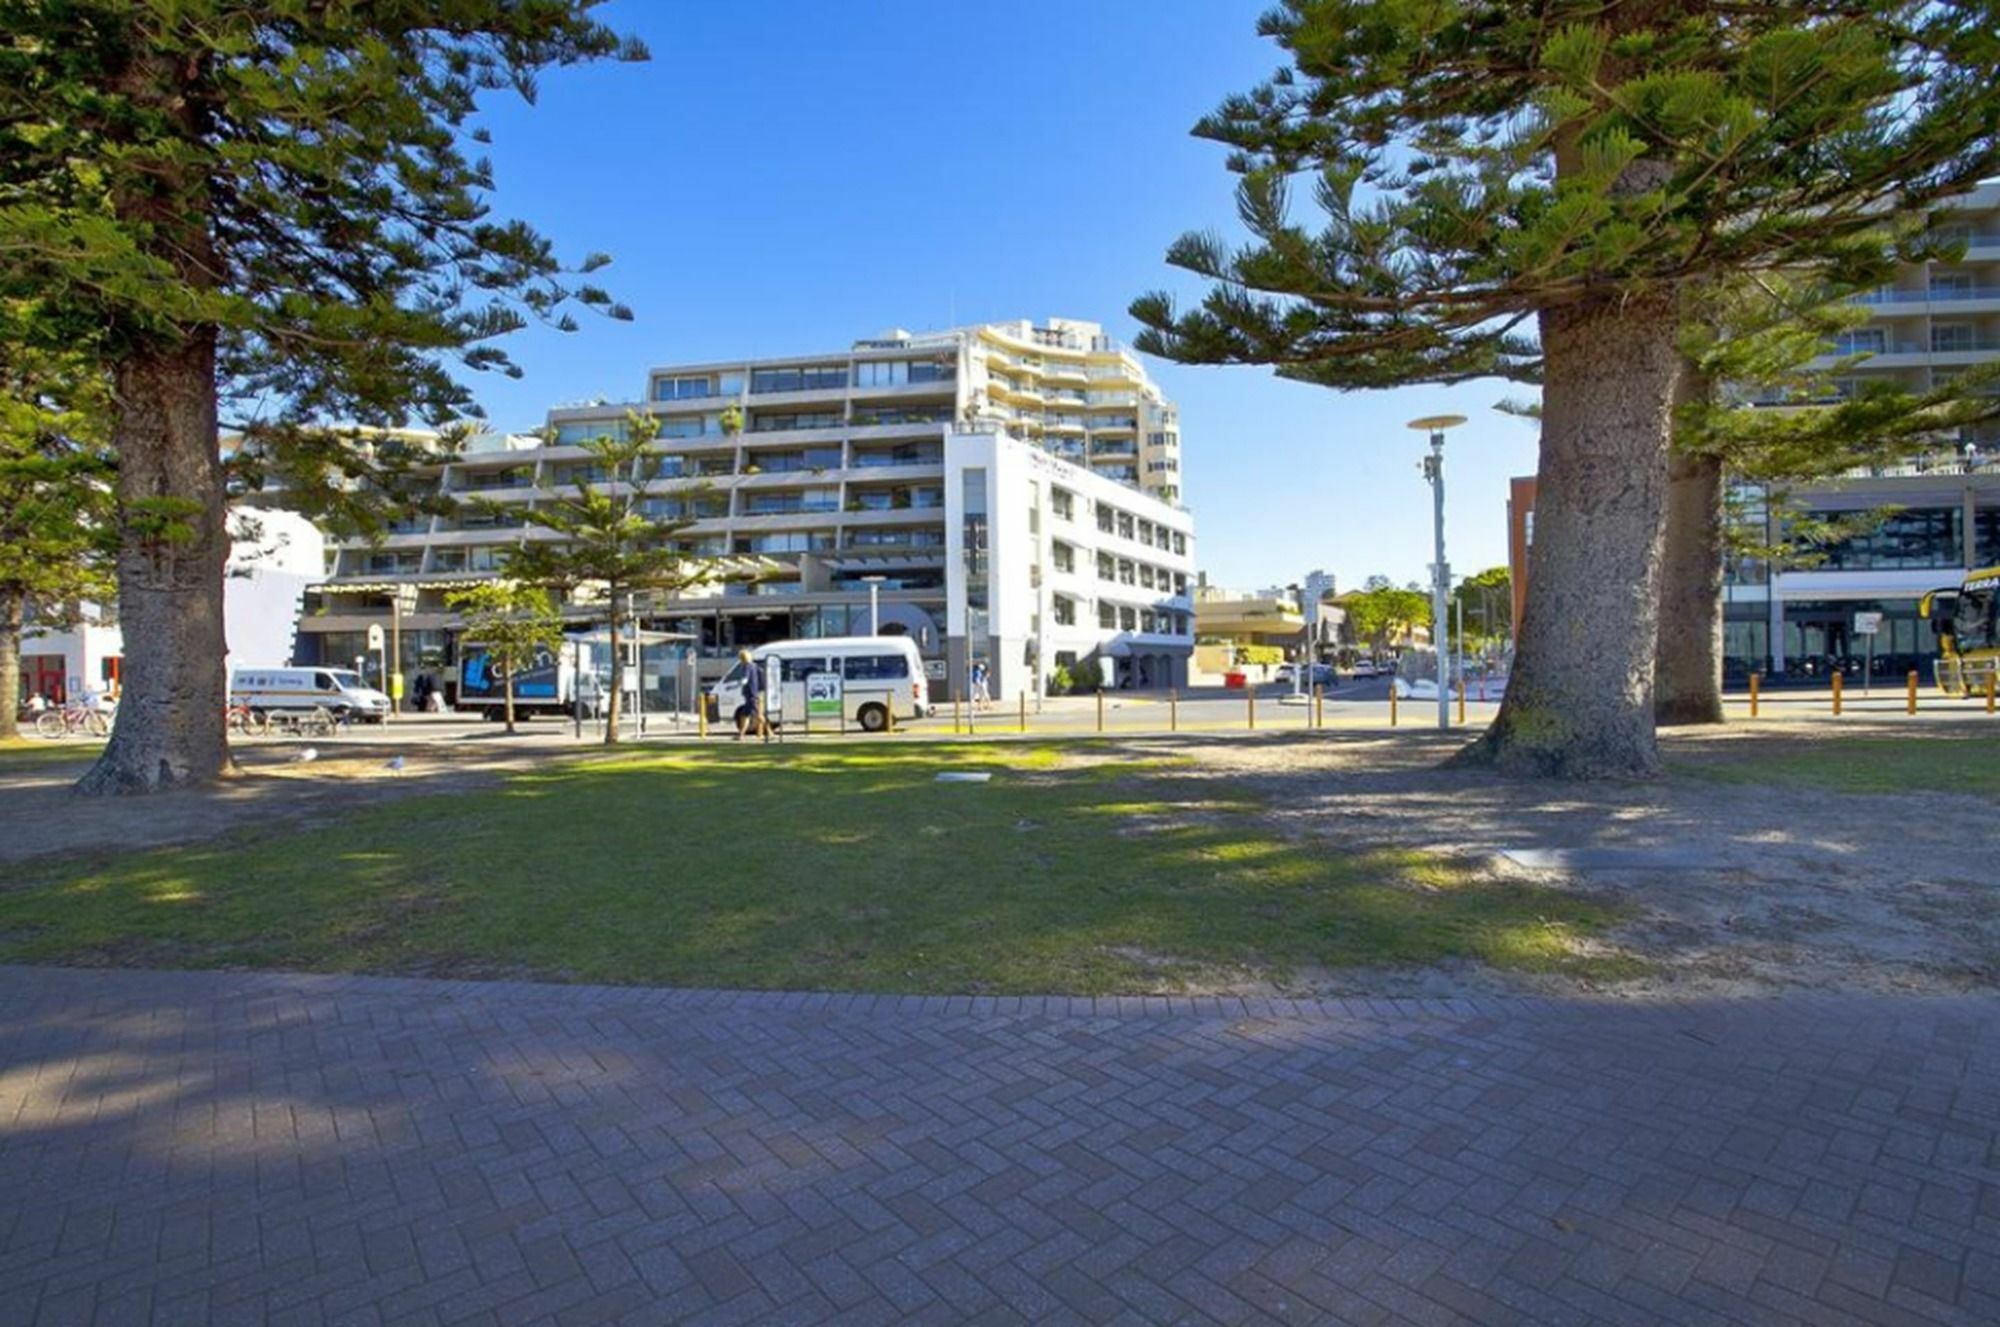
874	604
1433	468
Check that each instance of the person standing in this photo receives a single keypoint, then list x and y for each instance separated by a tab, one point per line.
751	710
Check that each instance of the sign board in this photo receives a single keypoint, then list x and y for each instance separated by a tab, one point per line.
374	635
1867	624
934	669
823	696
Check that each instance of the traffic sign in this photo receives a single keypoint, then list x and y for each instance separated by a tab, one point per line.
1867	624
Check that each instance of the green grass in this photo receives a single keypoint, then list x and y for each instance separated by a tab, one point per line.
1927	763
27	753
846	868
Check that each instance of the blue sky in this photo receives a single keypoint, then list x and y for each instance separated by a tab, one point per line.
784	177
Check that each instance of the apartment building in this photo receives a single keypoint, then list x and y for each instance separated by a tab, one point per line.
1917	525
1005	493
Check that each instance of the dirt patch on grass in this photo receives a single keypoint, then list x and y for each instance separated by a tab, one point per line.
43	817
1780	885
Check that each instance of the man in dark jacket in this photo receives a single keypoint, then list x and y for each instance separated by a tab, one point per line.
752	709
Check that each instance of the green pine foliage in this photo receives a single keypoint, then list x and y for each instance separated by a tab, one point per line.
513	621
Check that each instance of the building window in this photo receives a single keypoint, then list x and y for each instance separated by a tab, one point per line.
1125	524
683	389
1106	519
1063	503
1107	617
1107	567
1128	619
1147	622
1065	611
815	378
973	532
1063	555
1180	582
1915	538
1145	532
1146	575
1127	575
1180	544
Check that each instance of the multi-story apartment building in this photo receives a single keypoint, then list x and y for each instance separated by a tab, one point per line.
1795	617
1006	493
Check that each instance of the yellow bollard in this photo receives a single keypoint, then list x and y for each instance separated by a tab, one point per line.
1100	709
1173	710
1755	679
1024	711
1912	701
1318	709
1991	678
1250	698
1392	702
701	715
1461	702
1836	694
889	716
954	712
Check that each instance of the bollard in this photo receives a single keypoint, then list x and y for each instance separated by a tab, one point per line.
1392	702
701	715
1755	679
1910	704
889	716
1461	702
1173	710
1836	694
1991	678
1100	709
1250	697
1318	709
954	712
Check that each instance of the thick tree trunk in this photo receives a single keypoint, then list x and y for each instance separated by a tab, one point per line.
1687	687
13	615
172	544
1580	703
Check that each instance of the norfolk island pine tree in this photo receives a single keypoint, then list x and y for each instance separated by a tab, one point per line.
265	207
1533	191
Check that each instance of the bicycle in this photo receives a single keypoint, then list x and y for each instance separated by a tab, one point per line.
72	718
243	720
315	722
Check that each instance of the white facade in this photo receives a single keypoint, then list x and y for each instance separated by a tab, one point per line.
1034	579
273	557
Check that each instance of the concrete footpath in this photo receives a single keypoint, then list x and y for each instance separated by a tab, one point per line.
232	1148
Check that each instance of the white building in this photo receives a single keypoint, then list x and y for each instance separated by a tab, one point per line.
858	478
273	557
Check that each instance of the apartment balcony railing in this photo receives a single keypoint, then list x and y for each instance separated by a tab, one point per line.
1933	463
877	460
1936	346
1936	293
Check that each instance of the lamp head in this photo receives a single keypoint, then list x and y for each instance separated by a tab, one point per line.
1437	423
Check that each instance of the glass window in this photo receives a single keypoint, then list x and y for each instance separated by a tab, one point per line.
794	668
1125	525
683	389
1918	537
1128	619
1107	567
1063	503
1107	617
1180	543
874	667
1065	611
1106	518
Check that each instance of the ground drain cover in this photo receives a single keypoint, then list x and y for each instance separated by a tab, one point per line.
1610	859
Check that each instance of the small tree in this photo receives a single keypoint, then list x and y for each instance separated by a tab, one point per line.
1485	603
56	518
516	623
606	541
1383	613
1488	169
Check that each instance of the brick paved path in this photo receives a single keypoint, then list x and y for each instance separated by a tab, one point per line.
217	1148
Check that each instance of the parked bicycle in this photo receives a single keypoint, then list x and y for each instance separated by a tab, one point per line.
246	722
315	722
72	719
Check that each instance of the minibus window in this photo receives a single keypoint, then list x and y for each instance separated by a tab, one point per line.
797	670
875	667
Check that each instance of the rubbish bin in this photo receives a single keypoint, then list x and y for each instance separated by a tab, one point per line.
1234	681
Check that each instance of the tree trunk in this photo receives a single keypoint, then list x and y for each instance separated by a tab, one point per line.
13	615
617	672
1580	703
507	682
1688	686
170	729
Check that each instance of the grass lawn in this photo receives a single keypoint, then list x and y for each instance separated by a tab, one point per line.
19	753
830	868
1928	762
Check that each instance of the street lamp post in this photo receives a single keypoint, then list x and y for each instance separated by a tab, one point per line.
874	604
1433	468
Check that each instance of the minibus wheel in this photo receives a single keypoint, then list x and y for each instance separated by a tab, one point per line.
874	718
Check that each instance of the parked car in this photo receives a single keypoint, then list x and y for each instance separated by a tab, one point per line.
338	691
1424	688
1317	675
1366	668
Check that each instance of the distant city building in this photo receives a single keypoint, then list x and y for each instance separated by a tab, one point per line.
1795	617
1010	492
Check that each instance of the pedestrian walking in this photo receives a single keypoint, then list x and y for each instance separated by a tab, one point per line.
751	710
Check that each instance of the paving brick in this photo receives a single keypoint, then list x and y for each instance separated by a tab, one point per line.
304	1150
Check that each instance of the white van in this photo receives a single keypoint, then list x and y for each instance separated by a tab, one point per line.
338	691
878	674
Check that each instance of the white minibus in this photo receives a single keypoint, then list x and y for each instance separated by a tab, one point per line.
338	691
878	674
